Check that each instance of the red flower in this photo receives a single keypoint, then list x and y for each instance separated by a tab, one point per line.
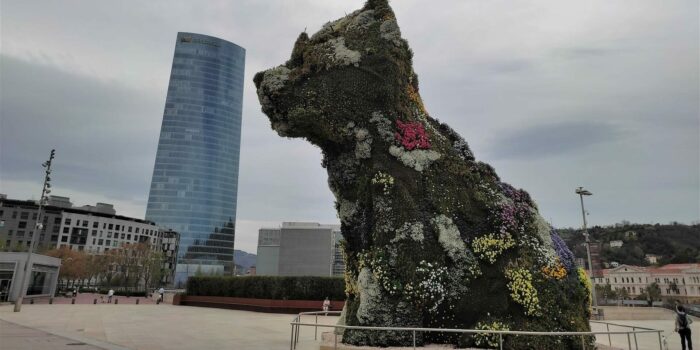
412	135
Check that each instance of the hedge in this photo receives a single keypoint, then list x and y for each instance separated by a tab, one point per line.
268	287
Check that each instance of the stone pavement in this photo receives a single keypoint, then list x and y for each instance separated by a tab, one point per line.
160	327
645	341
16	337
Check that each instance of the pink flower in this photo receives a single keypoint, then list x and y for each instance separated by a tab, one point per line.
412	135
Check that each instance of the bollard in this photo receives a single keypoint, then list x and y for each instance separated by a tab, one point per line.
72	301
137	301
94	302
116	301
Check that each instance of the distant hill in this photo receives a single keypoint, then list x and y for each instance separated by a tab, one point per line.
675	243
244	259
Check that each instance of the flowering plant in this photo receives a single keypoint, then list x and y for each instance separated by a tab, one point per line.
380	268
514	211
522	291
431	287
586	282
412	135
565	255
489	247
557	271
385	180
489	339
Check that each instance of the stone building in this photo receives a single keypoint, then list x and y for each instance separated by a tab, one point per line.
676	281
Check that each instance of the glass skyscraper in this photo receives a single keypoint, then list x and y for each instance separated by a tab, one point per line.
195	178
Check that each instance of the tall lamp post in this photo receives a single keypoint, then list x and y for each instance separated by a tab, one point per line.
583	192
35	232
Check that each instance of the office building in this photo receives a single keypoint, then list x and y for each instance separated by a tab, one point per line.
195	178
300	249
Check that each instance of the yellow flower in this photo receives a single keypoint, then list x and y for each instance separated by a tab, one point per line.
586	282
522	290
557	272
489	247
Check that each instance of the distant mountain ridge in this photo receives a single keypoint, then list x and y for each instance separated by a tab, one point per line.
675	243
244	259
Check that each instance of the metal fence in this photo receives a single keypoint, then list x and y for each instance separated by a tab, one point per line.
632	342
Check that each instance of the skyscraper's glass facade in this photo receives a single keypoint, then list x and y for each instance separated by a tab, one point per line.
195	178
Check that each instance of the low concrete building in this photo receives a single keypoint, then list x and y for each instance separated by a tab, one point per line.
300	249
41	282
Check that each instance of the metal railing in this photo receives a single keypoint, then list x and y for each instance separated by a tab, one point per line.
631	335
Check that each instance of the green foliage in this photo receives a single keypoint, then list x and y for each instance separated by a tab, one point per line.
676	243
268	287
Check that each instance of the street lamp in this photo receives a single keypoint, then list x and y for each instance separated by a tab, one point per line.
37	227
583	192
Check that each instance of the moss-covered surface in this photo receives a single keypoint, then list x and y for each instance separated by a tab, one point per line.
412	198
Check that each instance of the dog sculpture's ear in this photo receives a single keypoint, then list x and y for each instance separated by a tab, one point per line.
376	4
297	58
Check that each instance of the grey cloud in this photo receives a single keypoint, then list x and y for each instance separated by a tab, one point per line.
552	138
484	68
104	134
585	52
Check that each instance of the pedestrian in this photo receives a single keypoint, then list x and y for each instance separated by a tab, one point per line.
110	294
683	322
75	292
161	291
326	304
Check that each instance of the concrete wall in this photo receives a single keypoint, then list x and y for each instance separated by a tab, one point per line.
267	261
19	260
638	313
305	252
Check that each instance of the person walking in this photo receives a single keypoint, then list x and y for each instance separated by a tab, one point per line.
110	294
683	322
161	292
326	304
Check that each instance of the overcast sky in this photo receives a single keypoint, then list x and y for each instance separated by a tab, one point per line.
553	94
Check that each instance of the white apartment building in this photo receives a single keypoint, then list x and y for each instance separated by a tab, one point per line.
92	229
98	233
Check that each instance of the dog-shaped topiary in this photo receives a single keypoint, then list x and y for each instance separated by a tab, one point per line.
432	237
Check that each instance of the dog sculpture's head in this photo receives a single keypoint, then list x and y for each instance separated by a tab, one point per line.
347	70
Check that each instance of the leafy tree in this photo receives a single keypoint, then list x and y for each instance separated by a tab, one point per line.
73	264
622	294
652	292
606	292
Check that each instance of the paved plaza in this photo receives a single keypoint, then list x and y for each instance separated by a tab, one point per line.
160	327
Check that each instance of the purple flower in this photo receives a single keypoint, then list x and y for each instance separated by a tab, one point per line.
566	257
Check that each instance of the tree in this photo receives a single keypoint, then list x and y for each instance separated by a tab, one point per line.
606	292
73	263
652	293
622	294
674	287
153	269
